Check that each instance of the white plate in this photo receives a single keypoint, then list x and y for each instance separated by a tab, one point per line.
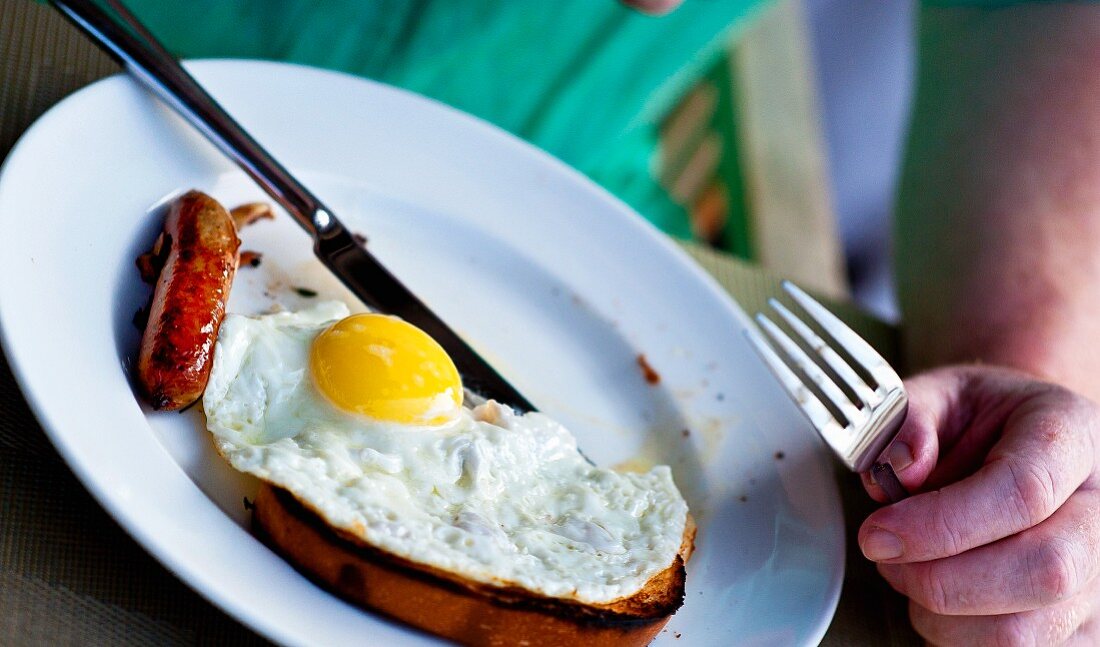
559	284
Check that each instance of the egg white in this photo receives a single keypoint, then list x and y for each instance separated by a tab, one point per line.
496	497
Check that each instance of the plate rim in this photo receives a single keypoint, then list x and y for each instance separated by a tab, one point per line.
192	577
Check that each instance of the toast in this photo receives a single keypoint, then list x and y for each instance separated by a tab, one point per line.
453	607
487	528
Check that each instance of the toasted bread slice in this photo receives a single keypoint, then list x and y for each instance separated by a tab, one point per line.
454	607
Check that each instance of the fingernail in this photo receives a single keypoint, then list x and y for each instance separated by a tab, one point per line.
881	544
900	455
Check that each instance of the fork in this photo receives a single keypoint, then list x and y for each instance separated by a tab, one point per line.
857	405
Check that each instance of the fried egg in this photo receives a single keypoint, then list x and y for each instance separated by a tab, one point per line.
361	418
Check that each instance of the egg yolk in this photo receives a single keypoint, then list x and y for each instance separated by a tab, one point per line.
386	369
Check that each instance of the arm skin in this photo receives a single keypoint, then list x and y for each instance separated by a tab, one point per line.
998	242
998	223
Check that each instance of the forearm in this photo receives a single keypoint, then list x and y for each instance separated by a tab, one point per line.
998	218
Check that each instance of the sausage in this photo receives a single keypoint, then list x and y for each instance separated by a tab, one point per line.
189	302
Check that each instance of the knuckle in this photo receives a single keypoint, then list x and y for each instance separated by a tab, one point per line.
1012	631
1054	428
1052	575
1033	495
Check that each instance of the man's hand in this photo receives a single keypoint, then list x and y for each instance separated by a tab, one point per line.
1002	543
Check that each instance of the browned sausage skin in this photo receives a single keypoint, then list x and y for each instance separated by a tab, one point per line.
188	302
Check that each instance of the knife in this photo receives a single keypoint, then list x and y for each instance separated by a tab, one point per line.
128	41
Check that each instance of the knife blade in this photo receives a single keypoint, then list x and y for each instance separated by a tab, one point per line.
123	37
380	290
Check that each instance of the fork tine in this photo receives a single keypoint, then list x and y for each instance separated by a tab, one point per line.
819	416
861	351
866	395
811	370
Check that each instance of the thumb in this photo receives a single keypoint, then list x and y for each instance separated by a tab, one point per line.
933	402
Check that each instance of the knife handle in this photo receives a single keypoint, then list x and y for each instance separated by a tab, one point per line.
151	64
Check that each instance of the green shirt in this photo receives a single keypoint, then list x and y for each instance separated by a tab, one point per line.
586	80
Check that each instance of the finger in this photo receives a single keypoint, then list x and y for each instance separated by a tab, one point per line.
955	414
653	7
913	453
1053	562
1054	625
987	400
1045	454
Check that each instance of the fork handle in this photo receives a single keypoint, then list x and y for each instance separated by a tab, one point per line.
884	476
